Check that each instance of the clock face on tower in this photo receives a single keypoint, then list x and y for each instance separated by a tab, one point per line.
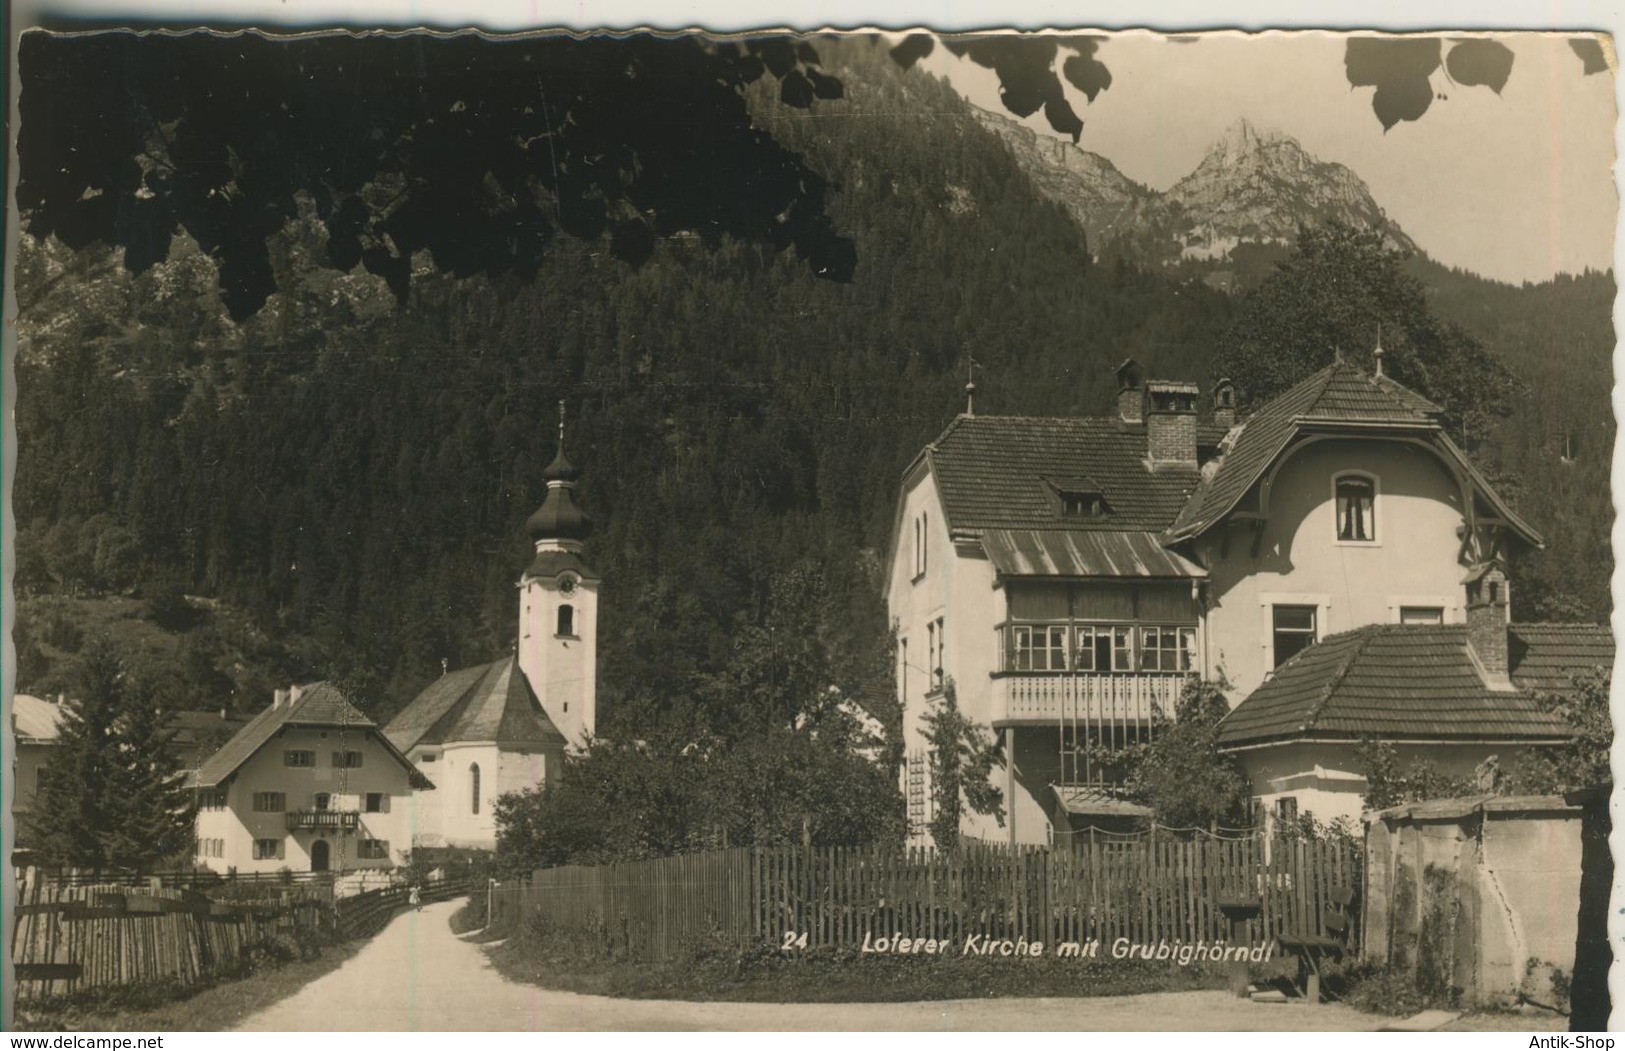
567	585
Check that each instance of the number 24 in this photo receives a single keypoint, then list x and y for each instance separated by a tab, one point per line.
792	940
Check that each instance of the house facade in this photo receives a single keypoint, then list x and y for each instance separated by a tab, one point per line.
310	784
1069	576
477	733
35	723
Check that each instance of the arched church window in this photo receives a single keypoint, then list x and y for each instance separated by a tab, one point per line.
474	788
567	619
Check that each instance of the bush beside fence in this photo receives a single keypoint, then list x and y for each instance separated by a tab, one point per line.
68	938
1157	888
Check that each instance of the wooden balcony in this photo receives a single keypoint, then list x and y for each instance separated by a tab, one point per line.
1052	698
323	820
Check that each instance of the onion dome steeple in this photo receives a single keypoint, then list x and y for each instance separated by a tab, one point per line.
559	518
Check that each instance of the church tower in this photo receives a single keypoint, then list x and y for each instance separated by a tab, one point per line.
558	606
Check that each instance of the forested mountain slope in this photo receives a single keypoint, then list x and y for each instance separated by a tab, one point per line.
353	476
357	476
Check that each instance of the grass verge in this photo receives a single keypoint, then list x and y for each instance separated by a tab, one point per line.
470	916
569	961
169	1007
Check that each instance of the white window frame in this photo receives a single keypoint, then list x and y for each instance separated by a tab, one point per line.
1376	513
1451	606
259	852
1267	601
1039	638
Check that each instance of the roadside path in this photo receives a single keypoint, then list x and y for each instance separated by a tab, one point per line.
416	975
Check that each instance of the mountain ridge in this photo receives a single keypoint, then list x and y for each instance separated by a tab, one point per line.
1253	188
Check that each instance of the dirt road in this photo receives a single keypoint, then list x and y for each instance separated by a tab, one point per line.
417	975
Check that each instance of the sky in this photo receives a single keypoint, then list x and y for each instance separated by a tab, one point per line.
1517	186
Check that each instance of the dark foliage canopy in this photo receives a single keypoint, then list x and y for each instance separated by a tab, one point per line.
476	151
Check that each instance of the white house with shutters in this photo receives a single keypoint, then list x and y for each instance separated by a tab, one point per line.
310	784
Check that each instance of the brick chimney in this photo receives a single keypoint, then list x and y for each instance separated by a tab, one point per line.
1224	404
1487	602
1130	396
278	699
1170	423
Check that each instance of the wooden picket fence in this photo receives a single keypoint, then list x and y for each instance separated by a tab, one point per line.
67	938
1156	888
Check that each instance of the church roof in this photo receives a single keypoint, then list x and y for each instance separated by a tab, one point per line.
320	704
490	703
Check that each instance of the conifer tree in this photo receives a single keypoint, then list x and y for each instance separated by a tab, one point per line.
111	796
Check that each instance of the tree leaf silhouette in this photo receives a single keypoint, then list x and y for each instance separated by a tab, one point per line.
796	90
1025	66
1084	71
1590	52
914	47
1480	63
475	153
1399	69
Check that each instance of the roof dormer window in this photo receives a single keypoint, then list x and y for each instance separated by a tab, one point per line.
1082	505
1079	497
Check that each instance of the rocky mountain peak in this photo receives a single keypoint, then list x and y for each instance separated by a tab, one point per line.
1253	189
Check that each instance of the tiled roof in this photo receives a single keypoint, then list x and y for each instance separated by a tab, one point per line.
1337	393
991	472
1083	553
1544	657
491	702
320	704
1392	682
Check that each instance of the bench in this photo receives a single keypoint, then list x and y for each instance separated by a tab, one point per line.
1310	949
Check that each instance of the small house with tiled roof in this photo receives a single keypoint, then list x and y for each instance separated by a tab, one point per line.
1451	694
494	728
1069	575
310	784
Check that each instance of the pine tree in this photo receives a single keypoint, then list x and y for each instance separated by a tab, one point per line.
153	803
111	796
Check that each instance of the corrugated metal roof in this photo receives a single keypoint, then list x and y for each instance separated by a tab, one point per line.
1086	800
1083	553
1389	681
319	704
